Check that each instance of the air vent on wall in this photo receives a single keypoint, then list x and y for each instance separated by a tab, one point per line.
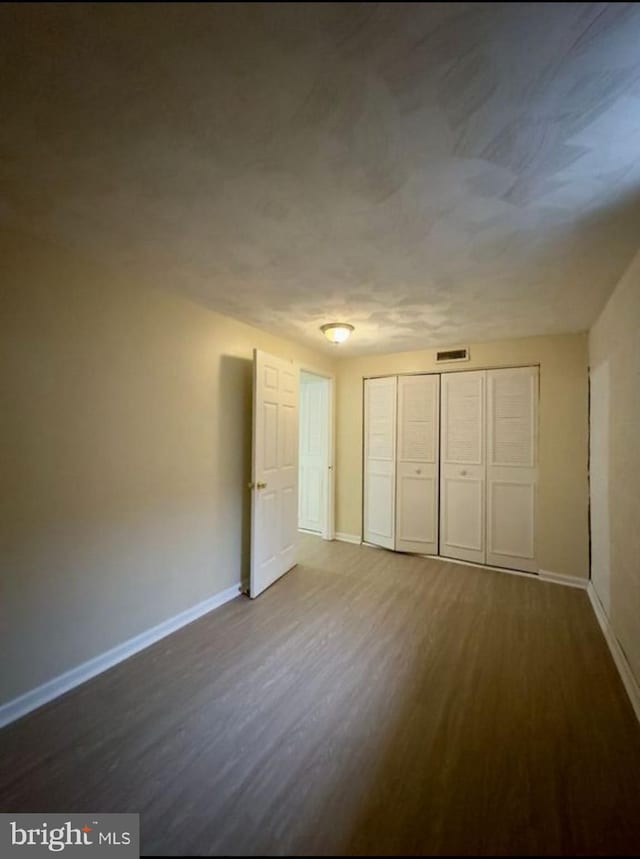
452	355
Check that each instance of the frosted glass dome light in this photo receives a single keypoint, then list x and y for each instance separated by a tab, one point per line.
336	332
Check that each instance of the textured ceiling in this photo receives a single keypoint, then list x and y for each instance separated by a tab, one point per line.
432	173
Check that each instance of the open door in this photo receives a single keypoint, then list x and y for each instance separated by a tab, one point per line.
274	486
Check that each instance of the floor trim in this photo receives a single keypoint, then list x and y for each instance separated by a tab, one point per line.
35	698
562	579
624	669
348	538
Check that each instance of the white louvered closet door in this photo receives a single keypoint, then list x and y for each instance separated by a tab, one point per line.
462	466
380	461
417	464
512	399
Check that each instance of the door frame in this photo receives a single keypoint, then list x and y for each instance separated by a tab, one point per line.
329	532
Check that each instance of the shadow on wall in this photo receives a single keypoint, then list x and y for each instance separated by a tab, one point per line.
235	405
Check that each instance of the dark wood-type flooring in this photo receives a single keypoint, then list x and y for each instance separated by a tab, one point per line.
367	703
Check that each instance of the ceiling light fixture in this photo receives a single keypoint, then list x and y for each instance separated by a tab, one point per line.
336	332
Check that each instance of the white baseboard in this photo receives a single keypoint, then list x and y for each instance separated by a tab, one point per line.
624	669
561	579
29	701
324	535
348	538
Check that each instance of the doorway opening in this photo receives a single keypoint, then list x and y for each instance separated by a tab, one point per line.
315	455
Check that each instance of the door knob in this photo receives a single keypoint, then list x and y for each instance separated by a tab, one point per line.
418	471
260	485
463	473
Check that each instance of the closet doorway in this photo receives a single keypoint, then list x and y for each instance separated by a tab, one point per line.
450	465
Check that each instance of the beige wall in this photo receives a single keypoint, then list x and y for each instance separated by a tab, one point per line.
125	457
561	512
126	448
614	347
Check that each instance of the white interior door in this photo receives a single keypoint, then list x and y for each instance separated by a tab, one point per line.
462	466
313	452
274	520
417	464
379	461
512	407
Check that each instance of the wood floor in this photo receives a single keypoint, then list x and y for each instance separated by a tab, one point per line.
367	703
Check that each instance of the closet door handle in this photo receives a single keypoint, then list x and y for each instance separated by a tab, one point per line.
463	473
